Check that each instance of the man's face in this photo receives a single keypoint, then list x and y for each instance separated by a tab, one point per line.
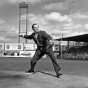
35	28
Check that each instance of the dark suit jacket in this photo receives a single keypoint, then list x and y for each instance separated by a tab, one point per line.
41	40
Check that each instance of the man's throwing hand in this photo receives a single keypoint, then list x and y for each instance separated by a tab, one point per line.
21	35
51	42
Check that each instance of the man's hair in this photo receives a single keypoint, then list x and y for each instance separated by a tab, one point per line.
34	24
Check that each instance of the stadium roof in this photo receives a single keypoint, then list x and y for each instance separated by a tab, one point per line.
78	38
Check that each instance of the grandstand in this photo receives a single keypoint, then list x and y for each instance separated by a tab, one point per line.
77	52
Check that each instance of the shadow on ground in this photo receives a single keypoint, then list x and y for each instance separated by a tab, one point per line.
40	79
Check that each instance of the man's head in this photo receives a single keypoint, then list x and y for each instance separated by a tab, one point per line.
35	28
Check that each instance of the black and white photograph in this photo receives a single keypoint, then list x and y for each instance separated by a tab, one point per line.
43	44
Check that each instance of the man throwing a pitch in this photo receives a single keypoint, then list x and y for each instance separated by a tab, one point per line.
44	46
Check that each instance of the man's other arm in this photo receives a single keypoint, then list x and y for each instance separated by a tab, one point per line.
49	40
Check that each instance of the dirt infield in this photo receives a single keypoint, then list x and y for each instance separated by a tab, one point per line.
14	79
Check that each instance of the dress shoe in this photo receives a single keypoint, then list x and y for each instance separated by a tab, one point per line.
58	75
30	71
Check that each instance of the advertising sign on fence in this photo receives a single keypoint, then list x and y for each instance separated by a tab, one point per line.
27	53
9	53
1	46
13	46
29	47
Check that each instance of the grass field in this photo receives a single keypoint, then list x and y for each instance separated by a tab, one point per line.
71	67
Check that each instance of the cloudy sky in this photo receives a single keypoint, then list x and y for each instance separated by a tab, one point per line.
56	17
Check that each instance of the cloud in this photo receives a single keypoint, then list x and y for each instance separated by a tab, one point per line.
4	40
37	19
7	29
58	17
58	33
72	26
78	16
56	6
12	33
75	29
8	32
67	30
86	26
61	6
27	1
43	19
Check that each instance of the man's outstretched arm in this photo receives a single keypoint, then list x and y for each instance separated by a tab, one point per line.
26	36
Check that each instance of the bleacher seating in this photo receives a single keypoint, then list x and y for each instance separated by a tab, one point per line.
73	53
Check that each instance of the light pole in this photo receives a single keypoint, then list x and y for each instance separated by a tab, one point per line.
23	5
61	45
